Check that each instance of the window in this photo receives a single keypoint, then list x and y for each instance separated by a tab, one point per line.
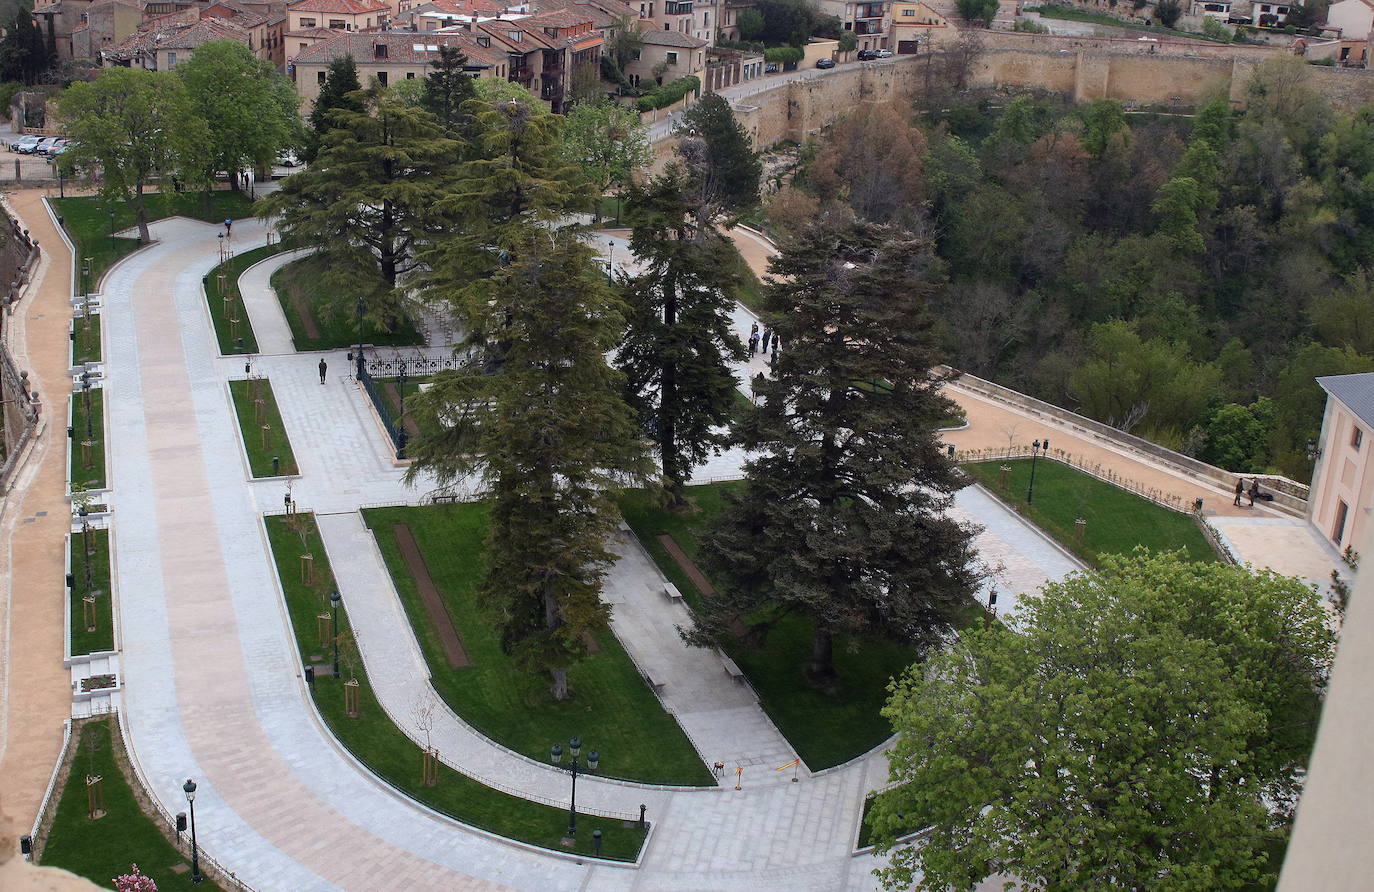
672	58
319	75
908	12
1339	530
484	41
514	35
381	78
1356	438
340	24
410	75
307	23
171	60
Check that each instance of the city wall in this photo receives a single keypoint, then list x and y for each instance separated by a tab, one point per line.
1167	72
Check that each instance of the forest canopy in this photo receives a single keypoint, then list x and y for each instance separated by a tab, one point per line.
1183	277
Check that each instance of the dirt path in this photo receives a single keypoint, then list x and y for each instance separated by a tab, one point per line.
36	688
435	607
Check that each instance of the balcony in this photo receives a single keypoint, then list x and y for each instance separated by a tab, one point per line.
874	26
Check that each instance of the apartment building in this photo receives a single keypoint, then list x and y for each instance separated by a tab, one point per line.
869	21
389	57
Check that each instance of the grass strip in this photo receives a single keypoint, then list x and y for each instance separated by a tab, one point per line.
88	427
826	726
95	566
321	319
90	222
104	848
86	347
260	426
385	750
1117	520
611	707
751	289
226	302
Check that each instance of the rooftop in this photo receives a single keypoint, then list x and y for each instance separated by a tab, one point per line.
402	48
350	7
654	37
1356	393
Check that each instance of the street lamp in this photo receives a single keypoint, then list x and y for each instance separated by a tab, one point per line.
112	216
401	420
334	600
190	789
1038	447
556	757
359	356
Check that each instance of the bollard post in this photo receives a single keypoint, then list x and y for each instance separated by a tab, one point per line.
276	466
596	843
642	808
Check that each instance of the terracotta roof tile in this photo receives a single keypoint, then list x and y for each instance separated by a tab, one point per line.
351	7
401	49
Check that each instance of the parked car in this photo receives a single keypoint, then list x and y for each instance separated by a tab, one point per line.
772	67
882	54
825	63
42	146
24	144
53	148
867	55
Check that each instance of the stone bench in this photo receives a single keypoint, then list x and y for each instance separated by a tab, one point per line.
671	592
731	669
654	684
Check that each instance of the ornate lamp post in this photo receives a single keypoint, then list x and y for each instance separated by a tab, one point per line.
359	355
190	789
1037	448
334	601
401	419
556	757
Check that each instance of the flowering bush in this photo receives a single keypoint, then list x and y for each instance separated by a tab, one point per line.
134	881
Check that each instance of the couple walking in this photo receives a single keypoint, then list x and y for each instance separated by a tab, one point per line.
1252	493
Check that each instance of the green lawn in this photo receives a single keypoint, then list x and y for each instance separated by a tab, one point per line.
300	282
87	221
1075	14
102	849
825	727
102	639
88	475
86	347
228	333
261	445
611	708
1117	520
751	289
385	750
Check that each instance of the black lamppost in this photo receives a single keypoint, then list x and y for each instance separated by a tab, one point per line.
334	600
86	389
556	757
112	216
190	789
401	420
359	357
1038	447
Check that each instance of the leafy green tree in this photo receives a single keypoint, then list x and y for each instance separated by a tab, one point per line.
1238	436
368	201
980	12
751	24
339	90
1213	124
551	471
24	54
607	141
1127	732
843	515
848	41
134	124
626	42
1346	317
789	22
1127	381
735	169
250	109
1178	204
446	88
680	338
1104	122
1168	12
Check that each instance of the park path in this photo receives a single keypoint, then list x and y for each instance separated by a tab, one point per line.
269	323
35	688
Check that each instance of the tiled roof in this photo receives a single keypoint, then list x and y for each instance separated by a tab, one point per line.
177	37
659	37
350	7
1356	392
560	18
315	33
401	49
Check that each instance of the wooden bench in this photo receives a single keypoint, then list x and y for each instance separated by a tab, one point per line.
671	592
731	669
654	684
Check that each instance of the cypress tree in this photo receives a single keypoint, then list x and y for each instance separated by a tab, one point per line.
679	339
843	515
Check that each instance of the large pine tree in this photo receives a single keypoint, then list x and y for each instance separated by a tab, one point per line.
339	90
447	88
734	166
368	200
553	442
843	516
679	340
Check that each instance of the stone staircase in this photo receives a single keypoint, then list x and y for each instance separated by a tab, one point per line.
95	685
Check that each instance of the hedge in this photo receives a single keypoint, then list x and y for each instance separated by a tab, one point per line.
788	55
665	95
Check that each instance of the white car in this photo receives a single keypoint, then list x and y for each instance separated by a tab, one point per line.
25	144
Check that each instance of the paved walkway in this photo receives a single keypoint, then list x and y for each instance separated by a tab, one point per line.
270	327
35	692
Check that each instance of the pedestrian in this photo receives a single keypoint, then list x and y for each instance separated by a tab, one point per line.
777	342
766	335
1240	489
228	226
720	769
753	344
1254	491
323	367
754	330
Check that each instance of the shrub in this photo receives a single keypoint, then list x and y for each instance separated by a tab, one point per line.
1030	27
788	55
666	94
1168	11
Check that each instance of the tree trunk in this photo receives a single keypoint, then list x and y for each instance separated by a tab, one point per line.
822	666
559	688
141	212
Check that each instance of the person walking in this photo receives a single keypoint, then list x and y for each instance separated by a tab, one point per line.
228	226
777	342
753	344
323	368
766	335
1240	489
1254	491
